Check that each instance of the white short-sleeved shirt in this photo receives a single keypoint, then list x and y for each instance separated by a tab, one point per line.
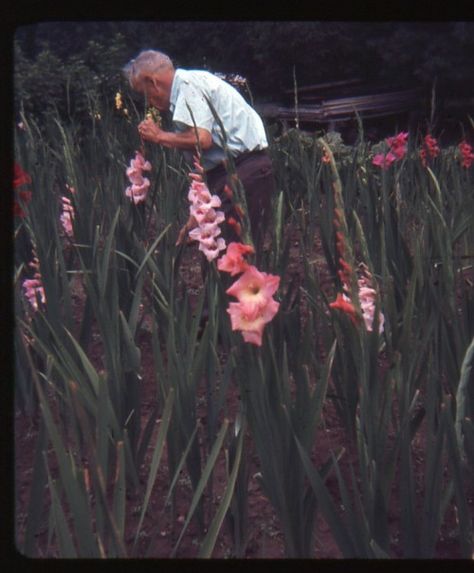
243	127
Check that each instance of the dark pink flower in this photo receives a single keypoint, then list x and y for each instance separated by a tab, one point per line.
467	156
384	160
398	144
233	261
430	149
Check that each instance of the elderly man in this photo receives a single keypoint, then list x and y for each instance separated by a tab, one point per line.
185	93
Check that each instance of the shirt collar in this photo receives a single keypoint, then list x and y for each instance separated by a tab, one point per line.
174	88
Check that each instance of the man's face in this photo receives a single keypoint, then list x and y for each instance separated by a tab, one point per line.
156	88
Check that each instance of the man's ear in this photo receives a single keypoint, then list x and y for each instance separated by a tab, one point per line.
154	82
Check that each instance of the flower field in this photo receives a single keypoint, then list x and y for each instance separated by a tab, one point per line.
201	399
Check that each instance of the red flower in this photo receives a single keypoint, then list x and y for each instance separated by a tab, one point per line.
235	225
345	272
20	178
398	144
384	161
344	304
467	157
228	191
340	244
430	149
338	217
233	261
397	150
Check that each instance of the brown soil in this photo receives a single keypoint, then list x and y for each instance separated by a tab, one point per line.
265	535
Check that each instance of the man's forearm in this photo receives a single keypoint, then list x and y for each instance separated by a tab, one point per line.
188	139
180	140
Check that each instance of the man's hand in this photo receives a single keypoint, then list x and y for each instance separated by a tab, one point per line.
150	131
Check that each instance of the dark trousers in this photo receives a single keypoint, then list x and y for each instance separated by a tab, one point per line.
254	170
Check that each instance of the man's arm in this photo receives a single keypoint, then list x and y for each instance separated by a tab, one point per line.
187	139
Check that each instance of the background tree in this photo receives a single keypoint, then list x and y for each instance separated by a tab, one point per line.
58	63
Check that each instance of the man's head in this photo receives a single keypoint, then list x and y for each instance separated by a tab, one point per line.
151	74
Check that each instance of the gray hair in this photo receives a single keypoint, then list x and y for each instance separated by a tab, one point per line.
147	61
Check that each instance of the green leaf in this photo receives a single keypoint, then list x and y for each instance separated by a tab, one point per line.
104	270
210	540
132	352
327	506
119	502
78	503
156	459
63	535
463	509
209	467
151	250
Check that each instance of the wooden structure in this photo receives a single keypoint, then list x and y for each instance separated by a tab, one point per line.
339	102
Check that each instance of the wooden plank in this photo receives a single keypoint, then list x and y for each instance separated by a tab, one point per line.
323	86
405	94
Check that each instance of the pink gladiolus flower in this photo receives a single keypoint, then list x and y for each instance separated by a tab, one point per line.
203	209
34	290
254	287
67	216
212	249
199	195
251	319
138	190
233	261
140	163
204	214
367	298
205	233
135	175
34	287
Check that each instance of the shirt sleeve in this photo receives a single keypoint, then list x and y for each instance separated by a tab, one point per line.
191	108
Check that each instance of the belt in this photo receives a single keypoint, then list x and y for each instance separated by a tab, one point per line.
240	158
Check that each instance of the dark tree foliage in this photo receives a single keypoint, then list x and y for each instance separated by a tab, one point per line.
63	65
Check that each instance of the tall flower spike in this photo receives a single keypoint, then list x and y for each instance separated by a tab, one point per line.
33	288
367	299
397	151
203	207
138	190
67	216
